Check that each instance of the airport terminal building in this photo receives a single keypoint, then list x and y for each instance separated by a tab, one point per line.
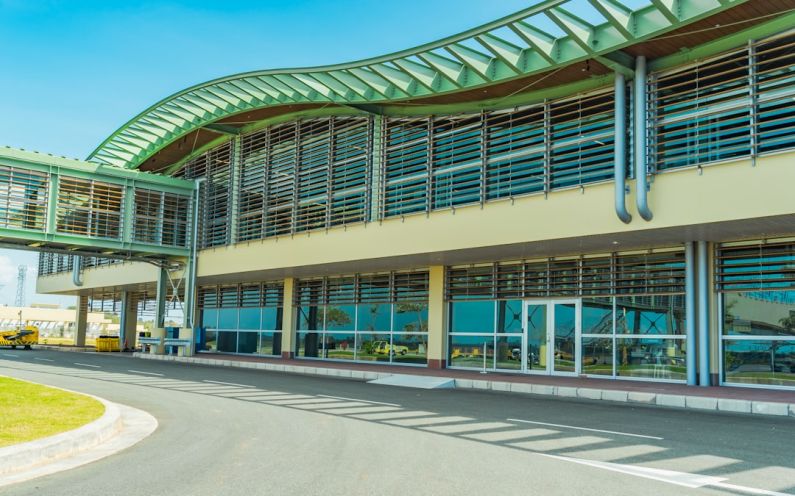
598	188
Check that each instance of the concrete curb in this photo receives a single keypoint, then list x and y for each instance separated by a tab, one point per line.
701	403
26	456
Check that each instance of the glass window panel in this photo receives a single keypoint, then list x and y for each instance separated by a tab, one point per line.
340	346
272	318
374	317
227	318
308	344
468	351
509	316
373	347
249	318
411	317
597	356
410	348
759	313
270	343
597	316
210	341
472	316
247	342
768	362
210	318
311	318
340	317
651	358
650	314
509	352
565	315
227	341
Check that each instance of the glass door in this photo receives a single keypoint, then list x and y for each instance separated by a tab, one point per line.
552	337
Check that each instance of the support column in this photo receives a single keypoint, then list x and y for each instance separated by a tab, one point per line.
703	314
690	314
81	320
288	319
160	298
437	319
128	320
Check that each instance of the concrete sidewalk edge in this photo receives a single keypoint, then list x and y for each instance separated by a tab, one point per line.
692	402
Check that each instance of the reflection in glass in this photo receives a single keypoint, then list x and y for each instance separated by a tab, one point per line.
565	315
310	318
769	362
210	318
227	318
597	356
468	351
759	313
272	318
270	343
227	341
537	337
340	346
374	317
509	352
210	340
411	317
410	348
509	316
597	316
340	317
653	314
247	342
373	347
249	318
472	316
307	344
651	358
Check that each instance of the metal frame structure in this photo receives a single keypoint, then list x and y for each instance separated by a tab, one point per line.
503	50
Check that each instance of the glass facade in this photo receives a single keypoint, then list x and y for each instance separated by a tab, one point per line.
631	315
244	319
364	317
757	284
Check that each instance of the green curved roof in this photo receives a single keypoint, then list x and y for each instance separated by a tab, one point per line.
508	48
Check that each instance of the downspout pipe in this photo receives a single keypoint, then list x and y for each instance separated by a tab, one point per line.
641	180
190	295
690	314
620	148
77	266
703	315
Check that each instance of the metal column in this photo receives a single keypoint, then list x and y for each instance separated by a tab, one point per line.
703	314
690	313
160	298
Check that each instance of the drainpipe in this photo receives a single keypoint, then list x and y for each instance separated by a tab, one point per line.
641	181
77	265
620	148
703	315
690	313
190	292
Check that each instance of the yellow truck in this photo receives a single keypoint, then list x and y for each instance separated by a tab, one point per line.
24	336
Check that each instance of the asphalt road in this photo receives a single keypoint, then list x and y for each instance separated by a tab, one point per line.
234	431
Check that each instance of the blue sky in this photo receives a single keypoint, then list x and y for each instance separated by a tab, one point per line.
73	72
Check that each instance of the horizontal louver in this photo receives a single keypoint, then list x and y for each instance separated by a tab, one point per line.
618	274
363	288
89	208
23	199
756	266
253	294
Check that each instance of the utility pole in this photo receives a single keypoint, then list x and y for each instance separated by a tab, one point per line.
21	276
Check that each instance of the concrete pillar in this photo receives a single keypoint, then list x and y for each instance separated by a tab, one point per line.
437	319
81	320
288	319
160	298
128	320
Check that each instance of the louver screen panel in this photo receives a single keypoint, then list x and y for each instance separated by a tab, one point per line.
761	265
23	199
456	158
216	196
251	204
363	288
90	208
405	166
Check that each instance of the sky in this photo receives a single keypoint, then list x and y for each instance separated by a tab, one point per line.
75	71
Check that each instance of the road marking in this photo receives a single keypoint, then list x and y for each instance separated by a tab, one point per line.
355	399
586	429
44	359
145	373
88	365
9	354
229	384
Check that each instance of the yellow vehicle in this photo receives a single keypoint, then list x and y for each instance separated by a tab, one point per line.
26	337
384	348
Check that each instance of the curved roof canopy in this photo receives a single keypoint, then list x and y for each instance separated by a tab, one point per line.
506	49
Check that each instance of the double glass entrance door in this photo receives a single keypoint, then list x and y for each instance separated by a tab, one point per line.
551	337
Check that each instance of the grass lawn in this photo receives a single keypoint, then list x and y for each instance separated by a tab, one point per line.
30	411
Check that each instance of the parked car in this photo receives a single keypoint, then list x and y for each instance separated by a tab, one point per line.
384	348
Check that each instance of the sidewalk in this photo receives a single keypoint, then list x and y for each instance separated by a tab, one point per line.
724	399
